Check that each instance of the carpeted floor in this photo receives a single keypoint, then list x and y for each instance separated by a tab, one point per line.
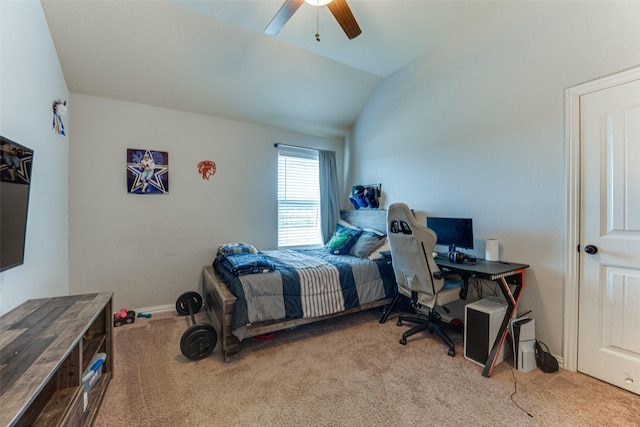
342	372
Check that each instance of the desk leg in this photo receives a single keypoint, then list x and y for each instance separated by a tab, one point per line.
512	300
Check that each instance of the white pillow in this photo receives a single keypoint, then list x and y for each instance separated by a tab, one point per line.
384	248
345	224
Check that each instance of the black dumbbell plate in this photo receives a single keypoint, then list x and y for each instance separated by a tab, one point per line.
182	304
198	341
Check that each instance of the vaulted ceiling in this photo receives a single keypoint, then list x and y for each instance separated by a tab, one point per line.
212	57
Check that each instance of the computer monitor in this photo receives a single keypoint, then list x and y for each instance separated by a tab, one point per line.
452	232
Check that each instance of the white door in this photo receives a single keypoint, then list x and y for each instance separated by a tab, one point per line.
609	301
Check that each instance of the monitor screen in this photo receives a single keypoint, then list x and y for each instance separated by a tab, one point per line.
452	232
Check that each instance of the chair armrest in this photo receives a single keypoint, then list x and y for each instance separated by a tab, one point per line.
465	284
443	273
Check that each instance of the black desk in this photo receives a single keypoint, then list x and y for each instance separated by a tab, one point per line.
505	274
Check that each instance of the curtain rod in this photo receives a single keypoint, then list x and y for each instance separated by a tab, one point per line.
294	146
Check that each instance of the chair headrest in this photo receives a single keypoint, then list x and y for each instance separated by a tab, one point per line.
401	212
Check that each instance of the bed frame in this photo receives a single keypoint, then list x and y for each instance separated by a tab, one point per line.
219	301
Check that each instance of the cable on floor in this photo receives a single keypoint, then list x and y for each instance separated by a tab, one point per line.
515	390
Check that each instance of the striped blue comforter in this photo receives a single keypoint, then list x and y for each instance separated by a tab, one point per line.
306	283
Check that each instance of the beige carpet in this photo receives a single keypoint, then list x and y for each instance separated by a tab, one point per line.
344	372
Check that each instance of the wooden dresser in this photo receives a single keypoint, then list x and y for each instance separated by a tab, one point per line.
45	346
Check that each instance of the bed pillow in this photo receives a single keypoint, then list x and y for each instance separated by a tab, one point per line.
369	241
377	253
236	248
344	238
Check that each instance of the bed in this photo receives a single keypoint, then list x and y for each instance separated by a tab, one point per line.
356	284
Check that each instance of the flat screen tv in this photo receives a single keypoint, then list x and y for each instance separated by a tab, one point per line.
15	180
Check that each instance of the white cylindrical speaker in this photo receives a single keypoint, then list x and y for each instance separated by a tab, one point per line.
492	250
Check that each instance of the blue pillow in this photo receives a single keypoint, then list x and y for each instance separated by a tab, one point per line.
343	239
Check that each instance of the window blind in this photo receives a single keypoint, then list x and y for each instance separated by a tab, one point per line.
298	197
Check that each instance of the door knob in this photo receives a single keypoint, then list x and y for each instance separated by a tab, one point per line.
591	250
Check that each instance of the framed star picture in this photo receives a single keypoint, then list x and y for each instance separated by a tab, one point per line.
147	171
15	162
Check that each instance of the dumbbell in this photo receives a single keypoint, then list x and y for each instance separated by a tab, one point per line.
199	340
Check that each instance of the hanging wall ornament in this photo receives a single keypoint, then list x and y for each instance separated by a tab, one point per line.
207	169
59	110
363	196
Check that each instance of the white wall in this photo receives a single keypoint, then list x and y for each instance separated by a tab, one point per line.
476	129
149	249
30	80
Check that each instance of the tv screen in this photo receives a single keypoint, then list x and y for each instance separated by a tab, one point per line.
15	179
452	232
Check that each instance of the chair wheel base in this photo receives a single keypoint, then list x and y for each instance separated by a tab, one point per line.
399	323
403	341
451	352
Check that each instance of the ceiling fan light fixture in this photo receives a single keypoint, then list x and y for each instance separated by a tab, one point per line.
318	2
338	8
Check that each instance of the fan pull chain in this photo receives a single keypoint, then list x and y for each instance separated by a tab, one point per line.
317	24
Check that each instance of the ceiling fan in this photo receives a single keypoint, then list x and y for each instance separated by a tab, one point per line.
339	9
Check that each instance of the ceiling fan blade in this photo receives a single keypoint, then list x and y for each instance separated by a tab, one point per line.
345	18
284	14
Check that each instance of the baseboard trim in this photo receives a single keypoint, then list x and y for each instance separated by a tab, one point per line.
171	307
155	309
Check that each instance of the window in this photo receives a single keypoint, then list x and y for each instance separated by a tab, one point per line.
298	197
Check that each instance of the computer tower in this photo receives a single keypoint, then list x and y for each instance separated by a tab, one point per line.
482	321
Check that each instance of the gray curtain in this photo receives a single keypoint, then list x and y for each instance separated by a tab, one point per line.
329	198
